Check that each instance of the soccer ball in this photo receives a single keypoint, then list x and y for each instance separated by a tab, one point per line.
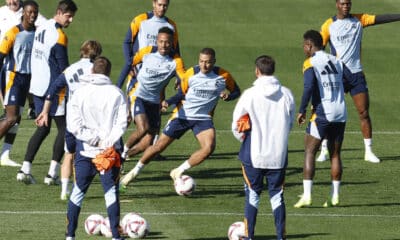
135	225
105	228
93	224
185	185
236	231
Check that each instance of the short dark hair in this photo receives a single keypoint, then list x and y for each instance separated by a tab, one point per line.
102	65
313	36
208	51
67	6
166	30
90	49
265	64
30	3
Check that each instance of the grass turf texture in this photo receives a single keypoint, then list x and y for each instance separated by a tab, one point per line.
239	31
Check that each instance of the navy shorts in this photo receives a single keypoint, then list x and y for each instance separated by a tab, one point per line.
70	142
321	128
15	95
176	127
254	178
151	110
357	85
57	107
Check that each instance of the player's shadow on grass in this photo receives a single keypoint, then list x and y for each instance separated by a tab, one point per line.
390	158
327	183
227	155
265	237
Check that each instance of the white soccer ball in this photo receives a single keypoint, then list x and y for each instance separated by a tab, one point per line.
236	231
93	224
185	185
135	225
105	228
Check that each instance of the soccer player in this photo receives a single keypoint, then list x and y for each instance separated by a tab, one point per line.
98	123
15	52
10	16
70	78
159	65
344	34
143	32
49	59
269	109
200	87
323	85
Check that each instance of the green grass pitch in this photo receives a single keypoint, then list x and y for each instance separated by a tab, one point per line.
239	31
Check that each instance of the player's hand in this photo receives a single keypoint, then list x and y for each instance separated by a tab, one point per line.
42	120
223	95
164	106
301	118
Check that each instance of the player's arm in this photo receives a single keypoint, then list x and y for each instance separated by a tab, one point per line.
325	31
231	86
75	123
387	18
120	123
176	99
130	37
309	85
179	71
2	56
54	89
7	44
176	39
240	114
61	52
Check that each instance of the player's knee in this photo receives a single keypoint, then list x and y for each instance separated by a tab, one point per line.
42	132
363	114
11	122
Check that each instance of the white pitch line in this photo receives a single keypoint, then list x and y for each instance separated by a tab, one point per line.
294	131
346	132
206	214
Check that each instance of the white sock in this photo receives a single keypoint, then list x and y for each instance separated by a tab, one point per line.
307	186
26	167
54	168
64	185
184	166
324	144
335	188
5	153
368	144
138	167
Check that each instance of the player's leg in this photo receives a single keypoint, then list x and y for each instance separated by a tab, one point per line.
162	143
52	177
31	107
314	133
67	164
324	153
147	119
8	129
14	103
84	174
34	144
141	146
205	135
335	135
109	181
361	102
275	182
142	127
253	186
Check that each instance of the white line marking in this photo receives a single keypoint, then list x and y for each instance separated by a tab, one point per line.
293	131
205	214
